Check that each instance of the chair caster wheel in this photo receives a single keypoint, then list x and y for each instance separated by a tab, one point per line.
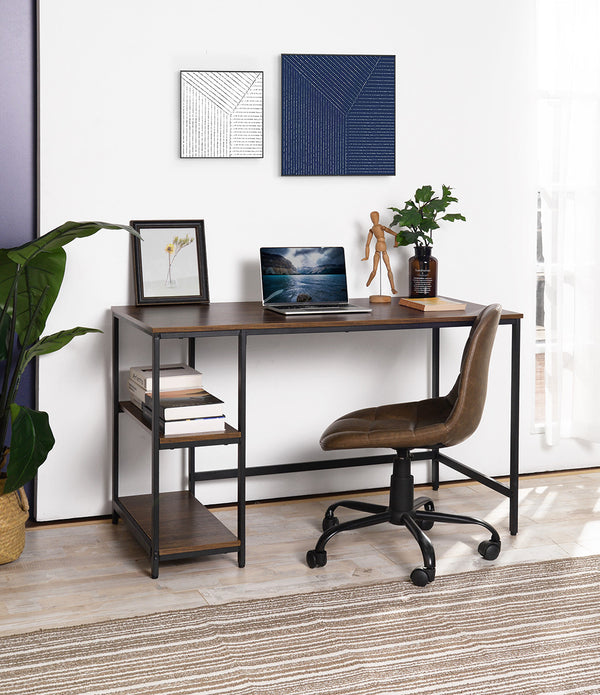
489	550
330	522
424	524
316	558
422	576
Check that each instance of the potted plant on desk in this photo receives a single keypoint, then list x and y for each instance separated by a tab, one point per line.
418	218
30	279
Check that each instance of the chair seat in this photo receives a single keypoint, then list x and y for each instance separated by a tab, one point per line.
395	426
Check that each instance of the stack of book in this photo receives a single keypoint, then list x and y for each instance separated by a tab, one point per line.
184	406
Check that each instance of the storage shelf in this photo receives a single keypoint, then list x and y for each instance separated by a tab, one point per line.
228	436
186	526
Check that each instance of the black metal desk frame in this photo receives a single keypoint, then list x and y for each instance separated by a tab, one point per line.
242	472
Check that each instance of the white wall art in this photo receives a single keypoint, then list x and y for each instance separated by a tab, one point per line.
221	114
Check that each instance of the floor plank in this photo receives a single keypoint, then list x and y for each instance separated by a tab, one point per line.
85	572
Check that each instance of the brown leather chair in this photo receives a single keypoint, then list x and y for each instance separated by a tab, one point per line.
429	424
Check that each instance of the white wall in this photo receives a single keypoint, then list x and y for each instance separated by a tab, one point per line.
109	129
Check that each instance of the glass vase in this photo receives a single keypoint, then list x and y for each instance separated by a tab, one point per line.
422	273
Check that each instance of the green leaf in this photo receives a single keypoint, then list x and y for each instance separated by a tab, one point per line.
31	440
410	218
437	205
428	226
57	238
424	194
38	285
428	211
4	333
447	194
453	216
406	238
54	342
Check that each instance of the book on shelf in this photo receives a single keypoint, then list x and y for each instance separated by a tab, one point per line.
171	376
191	404
138	394
432	304
200	425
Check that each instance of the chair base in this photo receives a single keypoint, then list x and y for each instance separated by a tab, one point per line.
417	515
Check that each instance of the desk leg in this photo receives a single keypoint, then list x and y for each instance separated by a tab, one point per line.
514	427
241	472
435	392
155	526
115	432
191	450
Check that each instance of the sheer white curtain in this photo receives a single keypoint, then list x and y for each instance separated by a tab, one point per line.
568	46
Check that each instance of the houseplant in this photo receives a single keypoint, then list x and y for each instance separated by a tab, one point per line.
417	220
30	279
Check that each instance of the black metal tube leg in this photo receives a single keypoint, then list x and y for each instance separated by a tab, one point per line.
155	560
357	506
241	459
424	543
155	519
116	410
441	517
350	526
514	427
435	392
435	469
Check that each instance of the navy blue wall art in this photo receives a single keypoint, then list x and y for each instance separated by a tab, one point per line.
337	115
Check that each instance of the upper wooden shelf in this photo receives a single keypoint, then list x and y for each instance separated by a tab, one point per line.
222	437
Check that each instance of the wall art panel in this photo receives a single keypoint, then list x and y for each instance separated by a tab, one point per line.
221	114
337	115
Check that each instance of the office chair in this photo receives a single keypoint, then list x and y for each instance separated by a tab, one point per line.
430	424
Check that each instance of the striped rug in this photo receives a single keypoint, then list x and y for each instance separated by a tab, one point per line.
520	630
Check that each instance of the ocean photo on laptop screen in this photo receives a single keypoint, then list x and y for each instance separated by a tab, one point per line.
303	274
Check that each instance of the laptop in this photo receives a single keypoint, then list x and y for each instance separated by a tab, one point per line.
305	280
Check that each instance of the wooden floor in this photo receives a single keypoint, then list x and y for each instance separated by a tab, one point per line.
91	571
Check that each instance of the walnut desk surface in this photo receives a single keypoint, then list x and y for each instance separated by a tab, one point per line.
252	317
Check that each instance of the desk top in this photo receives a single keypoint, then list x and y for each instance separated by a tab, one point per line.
250	316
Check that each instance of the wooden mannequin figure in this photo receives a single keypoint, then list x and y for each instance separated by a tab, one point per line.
379	230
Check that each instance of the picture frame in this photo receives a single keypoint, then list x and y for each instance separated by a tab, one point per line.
169	262
221	114
338	115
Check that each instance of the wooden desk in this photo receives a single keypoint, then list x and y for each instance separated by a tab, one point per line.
244	319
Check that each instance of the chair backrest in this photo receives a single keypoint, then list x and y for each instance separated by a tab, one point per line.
468	393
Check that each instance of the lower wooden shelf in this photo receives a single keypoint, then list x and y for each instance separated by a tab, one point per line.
186	526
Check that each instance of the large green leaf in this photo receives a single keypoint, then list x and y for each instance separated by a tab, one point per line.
8	270
39	267
447	195
38	286
4	333
31	440
54	342
407	218
405	237
424	194
60	236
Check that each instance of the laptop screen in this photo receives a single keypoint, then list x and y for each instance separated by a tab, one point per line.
303	274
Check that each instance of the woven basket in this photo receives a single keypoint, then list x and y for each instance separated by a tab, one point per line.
14	512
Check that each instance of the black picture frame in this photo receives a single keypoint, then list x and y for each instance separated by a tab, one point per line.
175	276
221	114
